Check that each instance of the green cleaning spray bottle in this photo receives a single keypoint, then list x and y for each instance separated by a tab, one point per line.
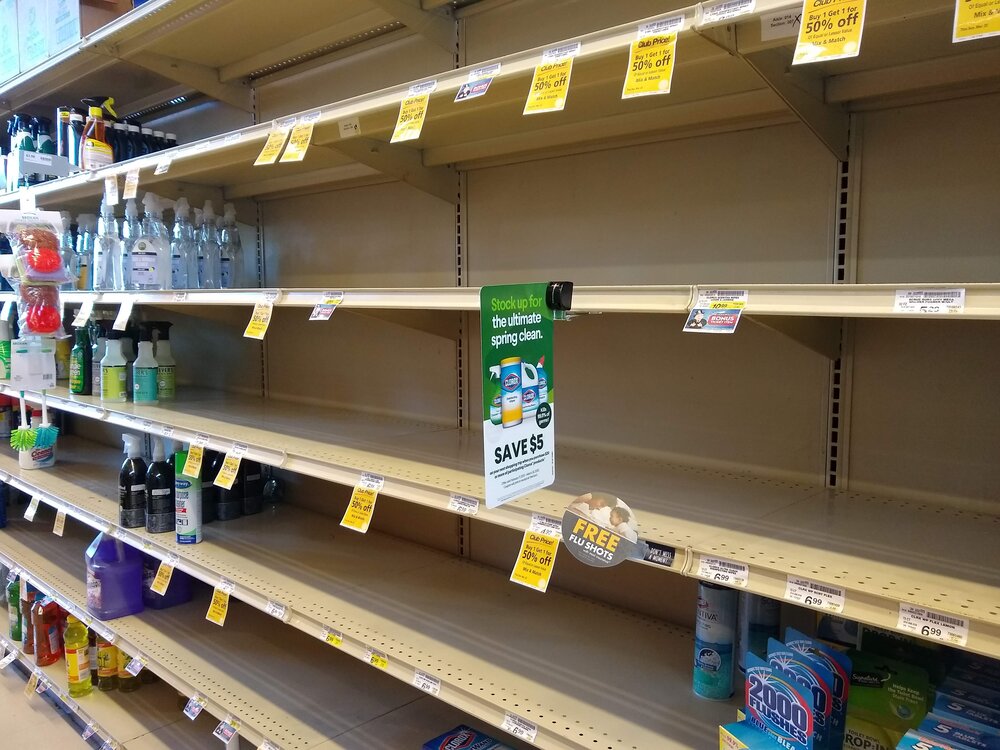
145	369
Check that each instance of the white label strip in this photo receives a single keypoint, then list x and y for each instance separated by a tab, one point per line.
671	25
930	301
426	682
723	11
86	308
542	524
930	624
124	313
780	24
813	594
722	571
349	127
468	506
520	728
560	53
277	609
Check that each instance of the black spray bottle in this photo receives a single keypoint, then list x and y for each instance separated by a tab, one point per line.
132	485
253	487
159	492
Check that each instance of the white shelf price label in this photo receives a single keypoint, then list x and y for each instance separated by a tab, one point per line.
167	431
520	728
12	574
134	667
930	301
327	306
226	730
542	524
333	637
162	166
468	506
725	10
131	184
8	660
29	512
60	524
277	609
812	594
267	745
194	706
201	440
26	200
722	571
349	128
934	625
8	308
111	190
124	313
109	745
376	658
426	682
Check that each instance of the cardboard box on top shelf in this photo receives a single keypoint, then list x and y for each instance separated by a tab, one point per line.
10	65
73	19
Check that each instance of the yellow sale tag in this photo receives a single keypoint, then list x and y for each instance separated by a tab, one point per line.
259	321
549	86
227	474
192	467
410	121
830	30
333	637
535	560
650	66
358	515
298	142
29	689
272	147
131	184
378	659
976	19
219	607
162	580
60	525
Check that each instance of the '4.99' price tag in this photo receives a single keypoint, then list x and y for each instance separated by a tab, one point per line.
930	624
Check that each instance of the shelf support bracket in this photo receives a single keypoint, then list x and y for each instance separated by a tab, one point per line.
402	163
437	26
199	77
820	334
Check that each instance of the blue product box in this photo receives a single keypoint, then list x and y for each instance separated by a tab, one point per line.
915	741
969	714
464	738
970	694
952	733
742	736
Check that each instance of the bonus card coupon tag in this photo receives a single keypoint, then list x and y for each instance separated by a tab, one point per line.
327	306
830	30
360	509
231	466
478	83
518	393
163	575
550	82
535	560
600	530
651	59
716	311
976	19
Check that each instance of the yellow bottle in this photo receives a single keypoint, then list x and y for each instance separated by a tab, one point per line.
77	644
126	682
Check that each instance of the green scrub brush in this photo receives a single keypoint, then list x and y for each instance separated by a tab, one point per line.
46	434
23	438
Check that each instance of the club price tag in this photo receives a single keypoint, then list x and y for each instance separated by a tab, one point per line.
520	728
259	321
717	311
111	190
226	729
327	306
192	466
164	573
976	19
651	59
300	138
930	301
219	607
412	111
468	506
358	515
830	31
934	625
724	11
426	682
273	145
124	313
29	512
550	82
29	689
131	184
813	594
231	466
535	560
478	83
722	571
84	313
376	658
135	666
60	524
194	707
277	609
26	200
333	637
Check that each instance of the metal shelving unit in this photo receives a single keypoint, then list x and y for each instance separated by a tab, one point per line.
423	610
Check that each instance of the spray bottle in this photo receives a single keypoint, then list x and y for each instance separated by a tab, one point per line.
114	370
95	151
80	378
67	251
187	497
209	269
131	229
85	224
145	371
181	246
99	347
132	485
150	255
159	492
496	396
165	363
107	252
232	249
4	349
543	381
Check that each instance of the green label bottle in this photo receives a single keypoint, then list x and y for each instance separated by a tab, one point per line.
145	385
114	383
5	360
167	383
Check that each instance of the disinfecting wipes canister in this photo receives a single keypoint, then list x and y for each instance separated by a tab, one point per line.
714	640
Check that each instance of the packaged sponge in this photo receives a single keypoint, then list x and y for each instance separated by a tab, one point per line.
889	695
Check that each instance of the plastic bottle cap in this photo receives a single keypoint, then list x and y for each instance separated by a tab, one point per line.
132	128
147	131
171	136
158	133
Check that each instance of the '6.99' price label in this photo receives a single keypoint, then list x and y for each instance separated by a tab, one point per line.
814	594
726	572
930	624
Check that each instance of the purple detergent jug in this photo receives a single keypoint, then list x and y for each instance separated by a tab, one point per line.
114	578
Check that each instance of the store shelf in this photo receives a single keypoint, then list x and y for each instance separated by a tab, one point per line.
151	714
495	647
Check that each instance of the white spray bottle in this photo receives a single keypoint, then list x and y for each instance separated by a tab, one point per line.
182	247
107	270
151	252
209	262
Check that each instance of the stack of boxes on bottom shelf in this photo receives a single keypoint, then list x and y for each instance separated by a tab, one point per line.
887	691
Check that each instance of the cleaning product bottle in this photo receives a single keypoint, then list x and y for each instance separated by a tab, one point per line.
79	364
84	251
47	625
129	336
178	592
160	516
253	487
95	151
63	348
543	381
107	665
233	248
496	396
132	485
98	348
114	370
133	146
208	250
127	683
150	256
229	503
14	610
74	137
131	228
77	648
107	266
187	495
114	578
529	388
67	245
4	349
119	141
182	246
166	367
145	371
27	632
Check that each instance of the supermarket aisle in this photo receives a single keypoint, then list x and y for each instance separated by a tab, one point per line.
31	723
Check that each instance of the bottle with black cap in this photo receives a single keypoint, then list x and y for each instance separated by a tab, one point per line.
133	145
209	492
160	509
253	487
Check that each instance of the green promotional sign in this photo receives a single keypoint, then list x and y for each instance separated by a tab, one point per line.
518	402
